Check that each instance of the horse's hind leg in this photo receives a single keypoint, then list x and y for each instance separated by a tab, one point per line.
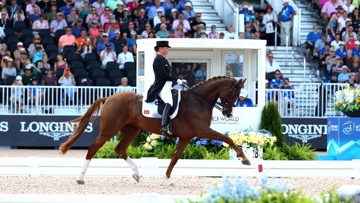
93	148
180	147
129	134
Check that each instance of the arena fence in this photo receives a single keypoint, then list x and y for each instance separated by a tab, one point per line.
153	167
307	100
58	100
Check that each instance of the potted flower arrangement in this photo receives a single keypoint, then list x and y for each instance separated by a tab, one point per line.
151	141
252	142
348	101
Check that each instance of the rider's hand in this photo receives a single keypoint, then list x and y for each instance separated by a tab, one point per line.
184	82
180	82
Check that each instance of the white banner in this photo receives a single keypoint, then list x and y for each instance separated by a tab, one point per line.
243	117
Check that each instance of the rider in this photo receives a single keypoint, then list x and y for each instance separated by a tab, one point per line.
163	82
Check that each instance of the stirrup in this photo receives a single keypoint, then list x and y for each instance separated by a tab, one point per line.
166	130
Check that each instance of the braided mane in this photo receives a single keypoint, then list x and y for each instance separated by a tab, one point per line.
210	80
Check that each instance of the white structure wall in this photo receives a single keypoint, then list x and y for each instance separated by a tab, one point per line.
214	50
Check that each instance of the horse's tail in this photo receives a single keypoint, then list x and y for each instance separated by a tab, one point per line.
90	115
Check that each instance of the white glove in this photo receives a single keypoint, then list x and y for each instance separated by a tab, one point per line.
180	82
184	82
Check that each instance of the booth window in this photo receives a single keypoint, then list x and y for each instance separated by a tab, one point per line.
193	73
234	65
140	62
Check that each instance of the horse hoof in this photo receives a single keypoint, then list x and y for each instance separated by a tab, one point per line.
80	182
171	185
246	162
136	177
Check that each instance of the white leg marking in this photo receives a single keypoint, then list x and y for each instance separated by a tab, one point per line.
80	180
169	181
134	167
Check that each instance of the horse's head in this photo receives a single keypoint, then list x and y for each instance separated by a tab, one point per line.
229	95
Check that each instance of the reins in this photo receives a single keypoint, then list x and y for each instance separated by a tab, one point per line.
209	102
218	105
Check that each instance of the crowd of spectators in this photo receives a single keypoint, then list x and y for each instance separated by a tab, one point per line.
336	49
93	42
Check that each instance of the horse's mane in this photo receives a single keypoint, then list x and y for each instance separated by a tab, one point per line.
209	81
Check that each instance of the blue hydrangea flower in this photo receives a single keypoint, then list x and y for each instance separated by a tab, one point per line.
198	143
204	142
162	137
265	132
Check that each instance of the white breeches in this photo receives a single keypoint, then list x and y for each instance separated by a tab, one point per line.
165	93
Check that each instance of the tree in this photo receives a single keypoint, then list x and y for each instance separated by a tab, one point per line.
271	121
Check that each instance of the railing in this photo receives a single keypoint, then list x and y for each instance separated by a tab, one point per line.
309	100
59	100
228	10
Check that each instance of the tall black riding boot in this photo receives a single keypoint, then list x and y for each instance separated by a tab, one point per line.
165	127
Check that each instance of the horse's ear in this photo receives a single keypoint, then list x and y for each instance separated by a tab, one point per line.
238	84
243	82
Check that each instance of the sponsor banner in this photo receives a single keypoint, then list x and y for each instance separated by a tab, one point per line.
343	138
43	131
240	119
306	130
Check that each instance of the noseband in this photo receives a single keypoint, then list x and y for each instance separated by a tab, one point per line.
224	106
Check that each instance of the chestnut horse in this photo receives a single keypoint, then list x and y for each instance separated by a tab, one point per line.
122	112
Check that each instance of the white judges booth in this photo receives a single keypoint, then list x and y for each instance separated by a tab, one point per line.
200	59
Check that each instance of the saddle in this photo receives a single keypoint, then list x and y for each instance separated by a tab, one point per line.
161	104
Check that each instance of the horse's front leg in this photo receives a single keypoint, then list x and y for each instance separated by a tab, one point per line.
180	147
213	135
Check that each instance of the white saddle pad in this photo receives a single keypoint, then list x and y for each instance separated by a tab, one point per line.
150	110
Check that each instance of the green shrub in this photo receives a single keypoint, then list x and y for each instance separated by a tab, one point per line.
274	153
119	136
161	151
271	121
194	152
223	154
107	151
299	152
137	152
140	139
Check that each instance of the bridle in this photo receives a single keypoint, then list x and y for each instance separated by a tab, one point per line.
221	106
224	106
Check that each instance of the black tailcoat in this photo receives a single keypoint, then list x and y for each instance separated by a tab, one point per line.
163	73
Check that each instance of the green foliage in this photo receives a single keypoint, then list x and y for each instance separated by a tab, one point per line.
138	152
107	151
194	152
271	121
119	136
270	196
295	152
274	153
223	154
140	139
162	151
274	196
299	152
